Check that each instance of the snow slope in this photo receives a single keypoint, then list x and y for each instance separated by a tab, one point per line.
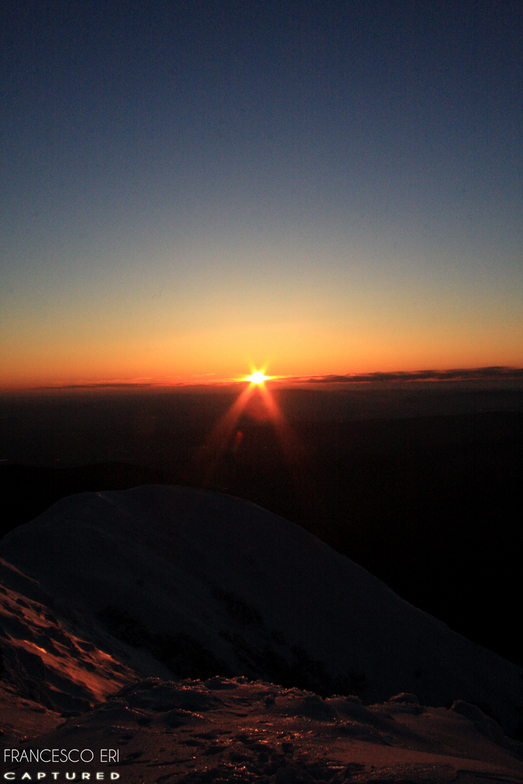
35	643
196	584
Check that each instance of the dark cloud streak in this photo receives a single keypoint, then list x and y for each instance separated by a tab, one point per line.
456	374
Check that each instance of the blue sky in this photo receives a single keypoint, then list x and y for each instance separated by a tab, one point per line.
326	187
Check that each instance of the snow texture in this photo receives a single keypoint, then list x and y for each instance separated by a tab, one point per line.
207	638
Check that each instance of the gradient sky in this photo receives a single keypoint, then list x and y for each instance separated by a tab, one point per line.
192	187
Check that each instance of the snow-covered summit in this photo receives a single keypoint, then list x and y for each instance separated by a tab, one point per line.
202	584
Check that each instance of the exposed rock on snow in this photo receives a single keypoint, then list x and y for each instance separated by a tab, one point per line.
199	584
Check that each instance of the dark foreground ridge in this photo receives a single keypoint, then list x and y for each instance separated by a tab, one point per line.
196	583
426	504
200	638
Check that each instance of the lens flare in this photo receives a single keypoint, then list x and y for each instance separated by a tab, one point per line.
256	400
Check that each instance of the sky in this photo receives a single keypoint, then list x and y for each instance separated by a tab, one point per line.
194	189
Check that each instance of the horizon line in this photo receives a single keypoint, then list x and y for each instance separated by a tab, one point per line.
488	373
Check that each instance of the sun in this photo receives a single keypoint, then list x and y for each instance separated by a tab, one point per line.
258	377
